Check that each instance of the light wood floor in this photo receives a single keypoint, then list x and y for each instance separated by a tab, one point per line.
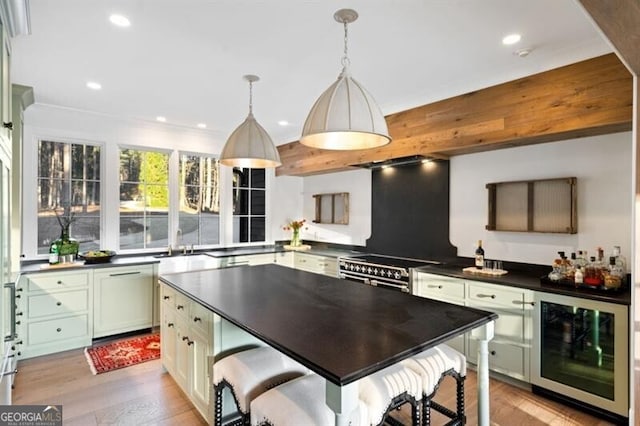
144	394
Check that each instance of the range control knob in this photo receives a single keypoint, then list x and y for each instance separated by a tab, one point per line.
397	275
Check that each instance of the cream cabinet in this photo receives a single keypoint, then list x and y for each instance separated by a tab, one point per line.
285	258
442	288
510	349
250	260
314	263
54	312
66	308
187	343
122	299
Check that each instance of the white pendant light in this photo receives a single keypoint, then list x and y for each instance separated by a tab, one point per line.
250	145
345	116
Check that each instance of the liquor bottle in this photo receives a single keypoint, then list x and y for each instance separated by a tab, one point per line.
613	278
479	256
620	259
54	254
578	277
593	273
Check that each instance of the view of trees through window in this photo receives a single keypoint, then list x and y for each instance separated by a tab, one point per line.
249	209
144	199
199	217
68	185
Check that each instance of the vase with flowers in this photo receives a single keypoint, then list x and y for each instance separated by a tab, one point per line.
295	226
67	247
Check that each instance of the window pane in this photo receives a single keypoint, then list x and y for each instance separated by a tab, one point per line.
257	178
241	202
257	202
240	229
241	177
68	183
257	229
199	200
144	199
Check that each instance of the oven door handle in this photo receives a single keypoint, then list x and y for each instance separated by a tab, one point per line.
404	288
364	280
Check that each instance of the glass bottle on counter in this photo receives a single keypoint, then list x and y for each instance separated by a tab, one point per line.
614	275
479	256
578	278
54	254
620	259
593	275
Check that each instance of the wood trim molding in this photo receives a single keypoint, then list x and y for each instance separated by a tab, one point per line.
588	98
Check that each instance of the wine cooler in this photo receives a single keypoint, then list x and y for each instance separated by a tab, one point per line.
581	353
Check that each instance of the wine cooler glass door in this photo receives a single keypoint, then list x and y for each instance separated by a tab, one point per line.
581	351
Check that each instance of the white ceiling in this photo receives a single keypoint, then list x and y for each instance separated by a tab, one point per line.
184	59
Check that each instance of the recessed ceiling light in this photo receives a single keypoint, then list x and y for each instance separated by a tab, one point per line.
511	39
94	85
283	123
202	126
161	119
119	20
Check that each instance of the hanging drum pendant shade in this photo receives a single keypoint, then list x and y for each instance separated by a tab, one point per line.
345	116
250	145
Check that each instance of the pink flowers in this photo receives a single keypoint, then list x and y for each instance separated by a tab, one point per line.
294	225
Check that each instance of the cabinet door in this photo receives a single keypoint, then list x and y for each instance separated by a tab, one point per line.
183	355
200	348
285	258
123	300
168	340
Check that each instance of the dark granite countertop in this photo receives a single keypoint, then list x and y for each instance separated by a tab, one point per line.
339	329
318	250
43	266
529	278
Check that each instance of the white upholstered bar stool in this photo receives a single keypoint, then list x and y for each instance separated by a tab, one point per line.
248	374
302	401
433	365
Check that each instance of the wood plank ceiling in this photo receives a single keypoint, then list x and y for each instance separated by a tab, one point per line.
591	97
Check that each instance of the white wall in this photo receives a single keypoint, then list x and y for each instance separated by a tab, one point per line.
358	184
603	166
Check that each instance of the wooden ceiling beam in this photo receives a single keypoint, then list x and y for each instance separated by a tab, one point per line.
591	97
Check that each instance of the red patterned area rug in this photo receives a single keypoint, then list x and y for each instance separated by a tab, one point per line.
123	353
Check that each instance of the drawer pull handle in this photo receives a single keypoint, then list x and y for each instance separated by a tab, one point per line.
19	289
185	338
493	353
520	302
434	286
18	296
166	297
18	314
9	373
59	303
59	282
189	342
17	322
124	273
58	329
170	324
179	307
484	296
196	319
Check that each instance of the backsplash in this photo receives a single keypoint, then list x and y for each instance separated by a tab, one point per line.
410	211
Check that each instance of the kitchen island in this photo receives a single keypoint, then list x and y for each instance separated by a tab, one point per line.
341	330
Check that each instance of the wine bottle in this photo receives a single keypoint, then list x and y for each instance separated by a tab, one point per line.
479	256
54	254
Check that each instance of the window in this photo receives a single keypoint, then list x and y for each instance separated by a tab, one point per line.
249	212
144	199
199	210
68	183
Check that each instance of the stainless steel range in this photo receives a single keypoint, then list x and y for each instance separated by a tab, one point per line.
383	271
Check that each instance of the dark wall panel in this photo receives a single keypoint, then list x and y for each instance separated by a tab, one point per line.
410	211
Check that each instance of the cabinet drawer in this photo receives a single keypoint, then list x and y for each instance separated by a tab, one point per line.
45	282
168	295
58	303
182	304
201	318
497	295
58	330
437	286
503	358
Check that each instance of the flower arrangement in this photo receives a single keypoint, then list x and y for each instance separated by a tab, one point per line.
295	226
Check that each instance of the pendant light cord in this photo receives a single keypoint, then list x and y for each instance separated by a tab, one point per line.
250	97
345	58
